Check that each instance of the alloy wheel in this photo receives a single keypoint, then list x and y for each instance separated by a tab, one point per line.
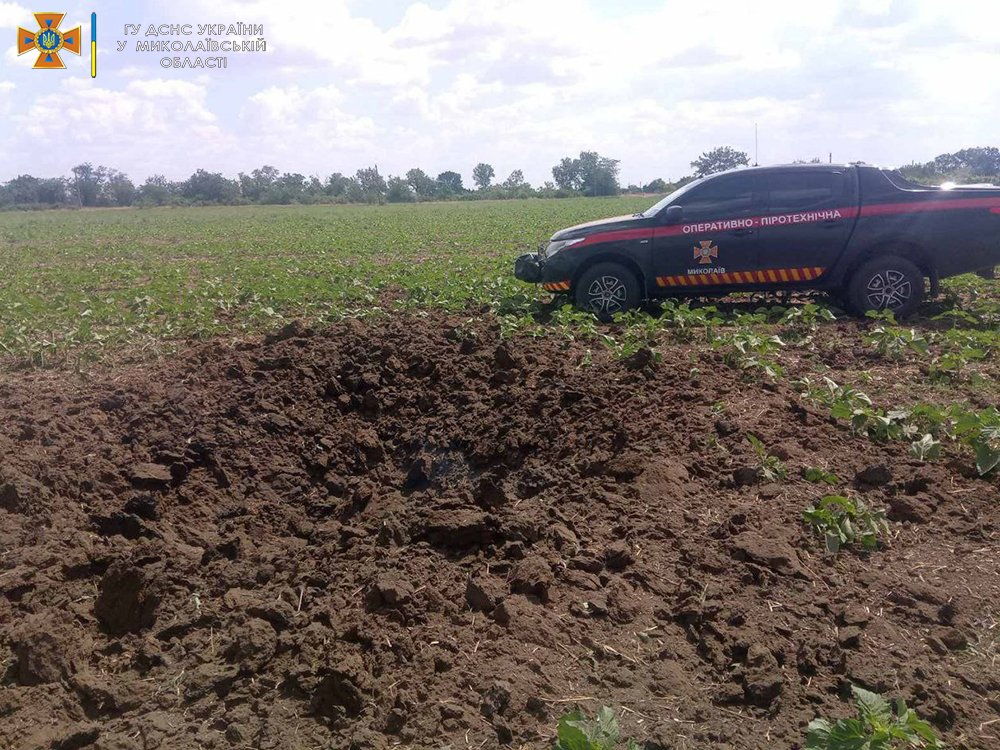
607	294
888	290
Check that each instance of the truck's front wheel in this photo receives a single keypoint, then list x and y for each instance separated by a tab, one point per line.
886	282
606	289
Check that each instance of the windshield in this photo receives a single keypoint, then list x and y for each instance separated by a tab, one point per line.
664	202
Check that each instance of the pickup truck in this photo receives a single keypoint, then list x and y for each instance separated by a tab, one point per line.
866	235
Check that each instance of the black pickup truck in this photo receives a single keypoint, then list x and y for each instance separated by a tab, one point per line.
866	235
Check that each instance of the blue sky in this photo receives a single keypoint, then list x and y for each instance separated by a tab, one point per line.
445	84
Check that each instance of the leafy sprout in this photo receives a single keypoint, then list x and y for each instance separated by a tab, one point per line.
842	522
815	474
576	732
879	725
771	467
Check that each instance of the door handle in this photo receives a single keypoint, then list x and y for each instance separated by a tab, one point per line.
742	232
830	223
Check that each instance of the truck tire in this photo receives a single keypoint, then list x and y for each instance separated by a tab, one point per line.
886	282
607	288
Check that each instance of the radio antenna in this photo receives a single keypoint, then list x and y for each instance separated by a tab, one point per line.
756	147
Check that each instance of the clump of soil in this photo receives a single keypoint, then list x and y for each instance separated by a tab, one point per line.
378	536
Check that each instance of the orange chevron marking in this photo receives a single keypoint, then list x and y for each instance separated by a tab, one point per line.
773	276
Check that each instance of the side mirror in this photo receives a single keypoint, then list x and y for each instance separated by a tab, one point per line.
673	215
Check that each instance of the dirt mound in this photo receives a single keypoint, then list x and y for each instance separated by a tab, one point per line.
414	533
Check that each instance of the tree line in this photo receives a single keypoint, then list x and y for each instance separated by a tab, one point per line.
970	165
90	186
589	174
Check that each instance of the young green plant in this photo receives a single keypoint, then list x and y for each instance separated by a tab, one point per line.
842	522
771	467
878	726
576	732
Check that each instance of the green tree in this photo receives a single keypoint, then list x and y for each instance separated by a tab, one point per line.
515	186
288	188
87	183
254	185
371	185
598	174
482	175
313	189
22	190
337	185
515	181
590	173
566	173
982	160
209	187
423	185
119	189
399	191
978	164
450	183
719	159
156	191
658	185
52	191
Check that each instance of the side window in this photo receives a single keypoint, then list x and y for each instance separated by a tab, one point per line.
720	198
803	191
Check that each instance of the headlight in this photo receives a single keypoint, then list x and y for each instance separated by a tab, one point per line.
555	247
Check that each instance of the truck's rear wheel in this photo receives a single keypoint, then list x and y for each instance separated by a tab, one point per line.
606	289
886	282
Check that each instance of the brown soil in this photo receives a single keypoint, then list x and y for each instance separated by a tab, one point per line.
414	534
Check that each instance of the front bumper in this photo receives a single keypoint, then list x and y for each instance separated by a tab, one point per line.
528	267
554	273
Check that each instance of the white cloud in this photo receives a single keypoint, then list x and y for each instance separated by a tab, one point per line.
6	87
306	114
317	37
12	15
143	128
520	84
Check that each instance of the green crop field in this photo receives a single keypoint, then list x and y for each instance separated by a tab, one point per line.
79	284
76	281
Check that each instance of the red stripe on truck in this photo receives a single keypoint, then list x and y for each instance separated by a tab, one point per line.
617	235
957	204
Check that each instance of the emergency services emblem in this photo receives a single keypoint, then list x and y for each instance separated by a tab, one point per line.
49	41
706	252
